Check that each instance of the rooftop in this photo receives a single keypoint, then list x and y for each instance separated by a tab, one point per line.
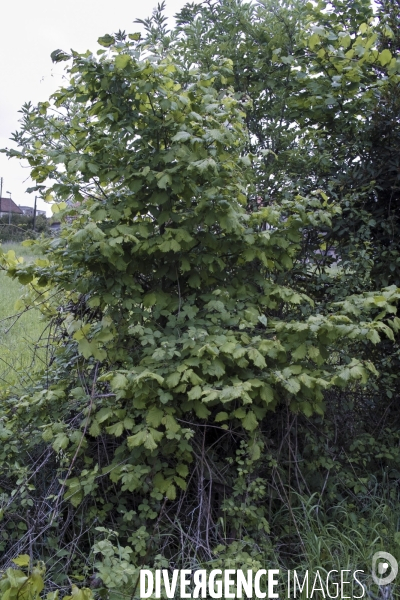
8	206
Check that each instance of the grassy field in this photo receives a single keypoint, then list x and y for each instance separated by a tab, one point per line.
18	336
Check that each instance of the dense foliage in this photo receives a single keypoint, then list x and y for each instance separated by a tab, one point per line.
22	227
220	297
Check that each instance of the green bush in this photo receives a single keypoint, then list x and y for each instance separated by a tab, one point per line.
197	358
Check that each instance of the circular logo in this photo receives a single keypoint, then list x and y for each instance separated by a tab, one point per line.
381	561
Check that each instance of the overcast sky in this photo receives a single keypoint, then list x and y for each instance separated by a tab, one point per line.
30	31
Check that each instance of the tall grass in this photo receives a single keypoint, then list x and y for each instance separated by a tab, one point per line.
21	351
343	539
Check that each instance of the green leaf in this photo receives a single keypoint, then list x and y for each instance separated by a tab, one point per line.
358	372
173	380
183	470
59	56
106	40
154	416
164	181
292	385
150	442
181	482
94	429
195	393
181	136
75	498
170	423
257	358
306	408
22	560
240	413
61	441
116	429
250	421
171	492
201	410
373	335
267	393
314	354
221	416
203	165
136	440
122	61
149	300
300	352
119	382
104	413
385	57
313	40
47	434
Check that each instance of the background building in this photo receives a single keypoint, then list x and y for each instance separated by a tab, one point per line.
8	206
28	210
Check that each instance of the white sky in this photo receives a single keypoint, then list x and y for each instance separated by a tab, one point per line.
30	31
